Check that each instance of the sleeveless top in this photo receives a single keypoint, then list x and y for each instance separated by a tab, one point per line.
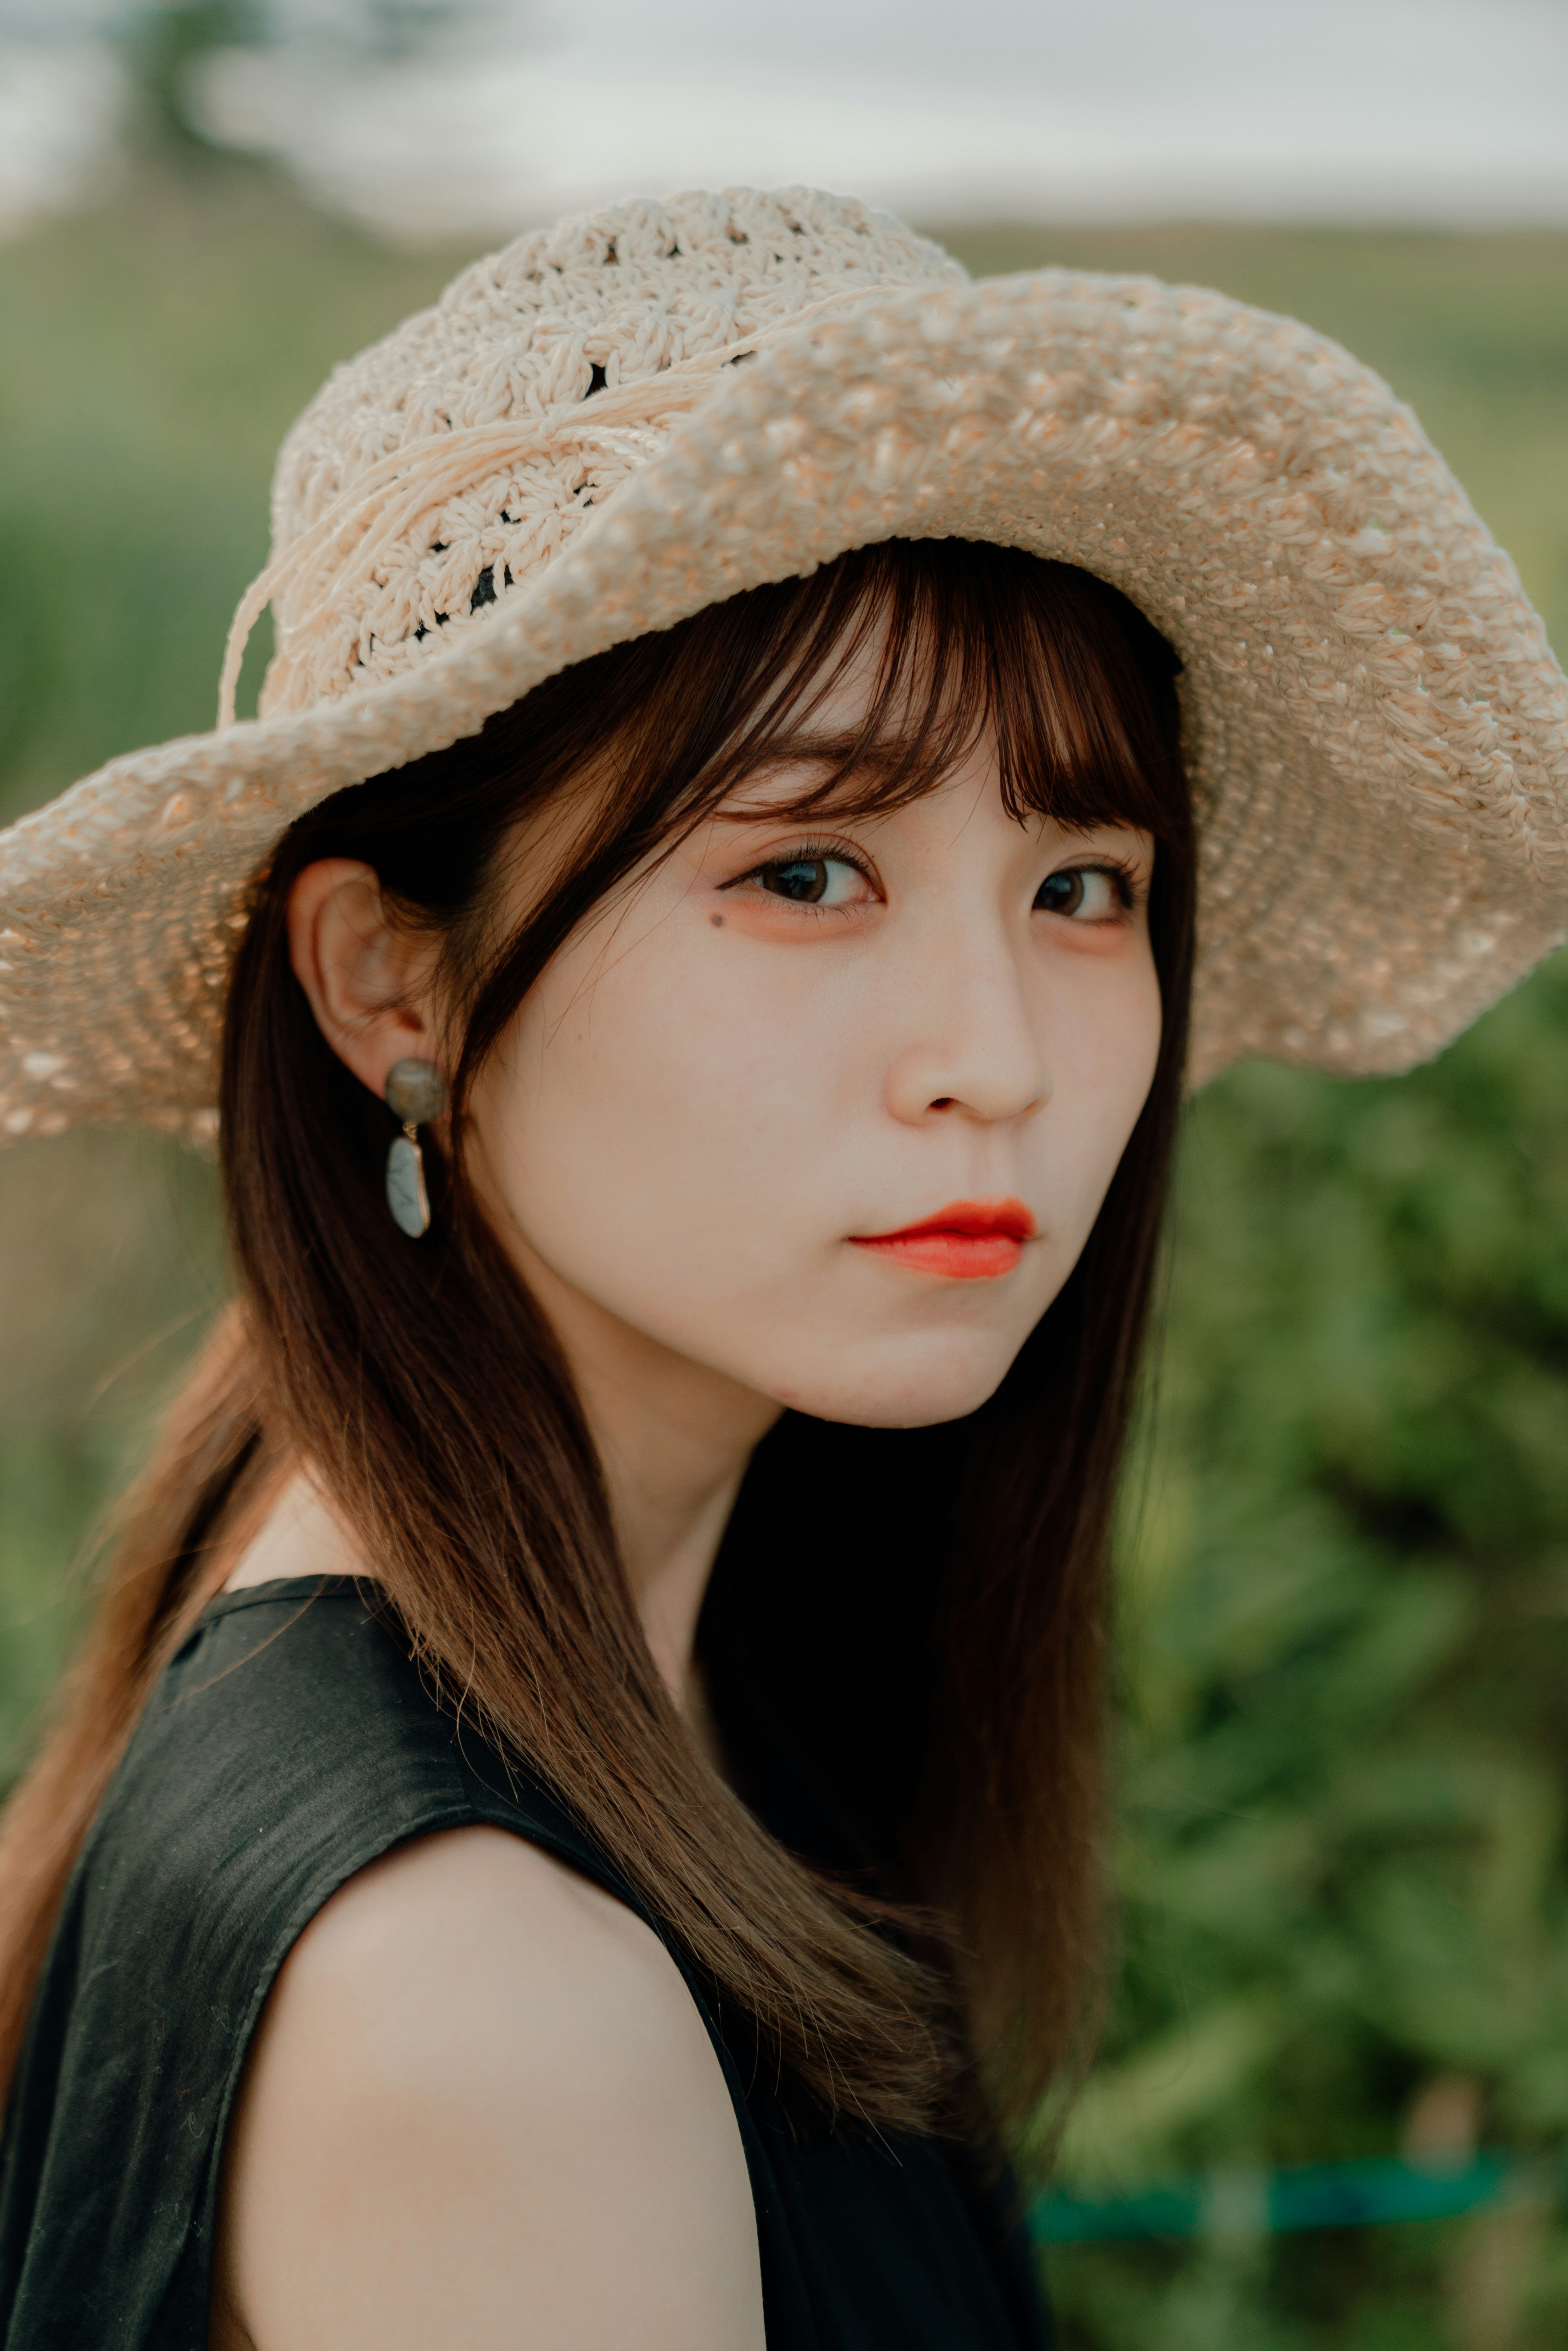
290	1742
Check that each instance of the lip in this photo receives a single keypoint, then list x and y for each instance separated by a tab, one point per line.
969	1240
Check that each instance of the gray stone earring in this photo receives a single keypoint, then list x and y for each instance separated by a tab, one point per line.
415	1092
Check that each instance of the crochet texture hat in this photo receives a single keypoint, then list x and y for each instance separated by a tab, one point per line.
609	425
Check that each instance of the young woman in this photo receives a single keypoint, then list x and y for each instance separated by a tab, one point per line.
577	1823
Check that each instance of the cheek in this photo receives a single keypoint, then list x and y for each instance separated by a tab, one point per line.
1103	1031
664	1111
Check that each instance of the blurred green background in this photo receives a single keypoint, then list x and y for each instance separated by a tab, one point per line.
1346	1634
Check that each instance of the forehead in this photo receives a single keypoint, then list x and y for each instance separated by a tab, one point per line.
878	713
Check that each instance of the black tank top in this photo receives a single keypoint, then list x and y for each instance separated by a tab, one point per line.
290	1742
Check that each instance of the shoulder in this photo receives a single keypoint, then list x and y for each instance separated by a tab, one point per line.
476	1944
482	2089
295	1533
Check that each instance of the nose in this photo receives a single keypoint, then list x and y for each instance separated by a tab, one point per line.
972	1049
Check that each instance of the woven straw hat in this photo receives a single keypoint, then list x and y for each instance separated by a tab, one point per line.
609	425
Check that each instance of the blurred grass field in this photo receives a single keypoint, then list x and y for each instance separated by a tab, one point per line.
1345	1640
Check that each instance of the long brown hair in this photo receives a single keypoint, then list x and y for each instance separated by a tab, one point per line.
923	1644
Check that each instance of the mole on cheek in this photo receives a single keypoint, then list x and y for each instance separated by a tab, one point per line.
717	922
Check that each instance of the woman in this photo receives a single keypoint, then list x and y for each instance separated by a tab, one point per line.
578	1823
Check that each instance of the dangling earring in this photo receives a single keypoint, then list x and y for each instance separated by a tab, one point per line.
415	1092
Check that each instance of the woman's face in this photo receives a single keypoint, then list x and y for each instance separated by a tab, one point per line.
786	1042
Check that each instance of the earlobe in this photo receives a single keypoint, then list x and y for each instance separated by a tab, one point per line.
361	973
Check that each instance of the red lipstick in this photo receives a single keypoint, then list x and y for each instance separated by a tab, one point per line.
969	1240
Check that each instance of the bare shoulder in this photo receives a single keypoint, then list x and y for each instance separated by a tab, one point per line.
293	1532
482	2109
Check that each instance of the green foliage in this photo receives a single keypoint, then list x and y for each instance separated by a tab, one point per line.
1345	1621
154	354
1345	1638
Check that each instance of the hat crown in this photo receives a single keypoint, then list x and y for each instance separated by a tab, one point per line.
515	397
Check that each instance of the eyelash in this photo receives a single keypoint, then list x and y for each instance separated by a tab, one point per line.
1125	877
805	853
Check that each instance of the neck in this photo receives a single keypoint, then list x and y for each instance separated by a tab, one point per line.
670	1508
674	1438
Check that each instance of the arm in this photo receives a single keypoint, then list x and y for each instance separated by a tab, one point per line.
481	2111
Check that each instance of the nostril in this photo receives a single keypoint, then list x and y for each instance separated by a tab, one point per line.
943	1101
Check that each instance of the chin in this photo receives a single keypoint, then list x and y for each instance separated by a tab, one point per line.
904	1392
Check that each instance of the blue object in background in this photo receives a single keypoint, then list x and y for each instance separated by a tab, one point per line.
1308	2196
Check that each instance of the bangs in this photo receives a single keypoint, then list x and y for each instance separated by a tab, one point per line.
965	645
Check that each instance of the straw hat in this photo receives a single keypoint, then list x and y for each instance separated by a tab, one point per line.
612	423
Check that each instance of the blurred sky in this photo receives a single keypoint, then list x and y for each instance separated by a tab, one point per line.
500	111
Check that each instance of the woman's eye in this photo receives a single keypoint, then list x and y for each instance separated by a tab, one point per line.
814	880
1086	891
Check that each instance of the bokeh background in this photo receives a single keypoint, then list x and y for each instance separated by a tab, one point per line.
1345	1657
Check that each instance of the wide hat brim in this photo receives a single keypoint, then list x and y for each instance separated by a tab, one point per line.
1376	729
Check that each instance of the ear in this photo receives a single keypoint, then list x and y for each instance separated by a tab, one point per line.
367	979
